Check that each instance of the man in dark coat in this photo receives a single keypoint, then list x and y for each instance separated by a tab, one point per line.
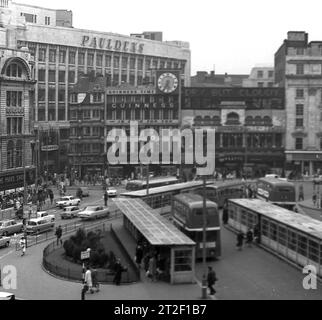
118	272
139	255
240	240
58	233
211	279
225	216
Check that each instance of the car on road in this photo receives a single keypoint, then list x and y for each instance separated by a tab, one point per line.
8	227
111	192
93	212
39	225
85	191
43	214
67	201
70	212
4	241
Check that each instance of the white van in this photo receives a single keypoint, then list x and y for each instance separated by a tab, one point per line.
39	225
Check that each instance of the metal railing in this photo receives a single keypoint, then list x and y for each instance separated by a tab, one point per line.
68	228
75	274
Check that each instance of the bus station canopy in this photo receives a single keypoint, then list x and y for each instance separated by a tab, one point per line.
156	229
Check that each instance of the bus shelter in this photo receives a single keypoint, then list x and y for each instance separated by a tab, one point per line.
140	220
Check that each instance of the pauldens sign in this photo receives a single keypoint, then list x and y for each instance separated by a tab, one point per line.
112	44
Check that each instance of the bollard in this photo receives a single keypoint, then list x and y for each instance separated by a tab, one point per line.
204	288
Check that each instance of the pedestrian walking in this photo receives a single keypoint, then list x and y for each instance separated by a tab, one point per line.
95	280
23	245
249	237
225	216
139	255
211	279
240	241
152	271
88	280
314	198
105	198
301	193
58	234
118	272
256	233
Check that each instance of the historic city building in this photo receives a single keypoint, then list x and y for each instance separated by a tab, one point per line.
17	142
68	53
249	123
261	77
298	68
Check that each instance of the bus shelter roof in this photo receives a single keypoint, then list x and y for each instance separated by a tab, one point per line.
156	229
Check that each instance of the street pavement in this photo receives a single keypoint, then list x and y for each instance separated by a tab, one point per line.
251	273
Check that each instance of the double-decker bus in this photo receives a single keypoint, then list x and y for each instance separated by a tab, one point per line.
221	191
277	191
160	198
187	215
153	183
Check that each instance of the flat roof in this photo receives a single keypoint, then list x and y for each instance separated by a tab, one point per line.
165	189
155	180
295	220
155	228
278	181
193	199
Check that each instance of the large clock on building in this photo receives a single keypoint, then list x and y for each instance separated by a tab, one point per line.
168	82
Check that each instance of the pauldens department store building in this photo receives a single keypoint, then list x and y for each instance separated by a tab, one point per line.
62	53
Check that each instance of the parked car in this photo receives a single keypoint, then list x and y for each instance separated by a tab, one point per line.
93	212
43	214
4	241
111	192
39	225
70	212
8	227
67	201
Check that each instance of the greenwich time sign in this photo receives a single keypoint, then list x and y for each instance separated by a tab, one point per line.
112	44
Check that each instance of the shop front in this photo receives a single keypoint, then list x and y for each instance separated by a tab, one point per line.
307	163
10	181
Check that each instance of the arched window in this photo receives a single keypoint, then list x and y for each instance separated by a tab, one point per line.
258	121
14	70
197	121
216	120
233	119
19	154
267	121
207	121
10	154
249	121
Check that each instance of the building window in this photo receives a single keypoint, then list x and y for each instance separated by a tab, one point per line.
42	55
61	113
99	60
86	114
73	132
270	74
30	18
140	64
87	148
51	94
19	154
61	76
97	97
73	116
299	143
14	99
47	21
10	154
81	58
116	62
300	51
232	119
108	60
299	109
96	114
62	56
299	93
41	75
96	131
71	76
52	55
8	126
300	69
61	95
132	63
52	76
260	84
14	70
90	59
270	84
86	131
260	74
267	121
72	57
124	62
299	122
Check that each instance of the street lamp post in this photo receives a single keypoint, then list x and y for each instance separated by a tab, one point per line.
204	240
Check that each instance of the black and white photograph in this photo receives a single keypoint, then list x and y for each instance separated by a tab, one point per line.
160	152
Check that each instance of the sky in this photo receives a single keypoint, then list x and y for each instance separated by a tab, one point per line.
226	36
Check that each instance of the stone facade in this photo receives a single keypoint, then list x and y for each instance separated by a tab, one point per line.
298	66
260	77
16	108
